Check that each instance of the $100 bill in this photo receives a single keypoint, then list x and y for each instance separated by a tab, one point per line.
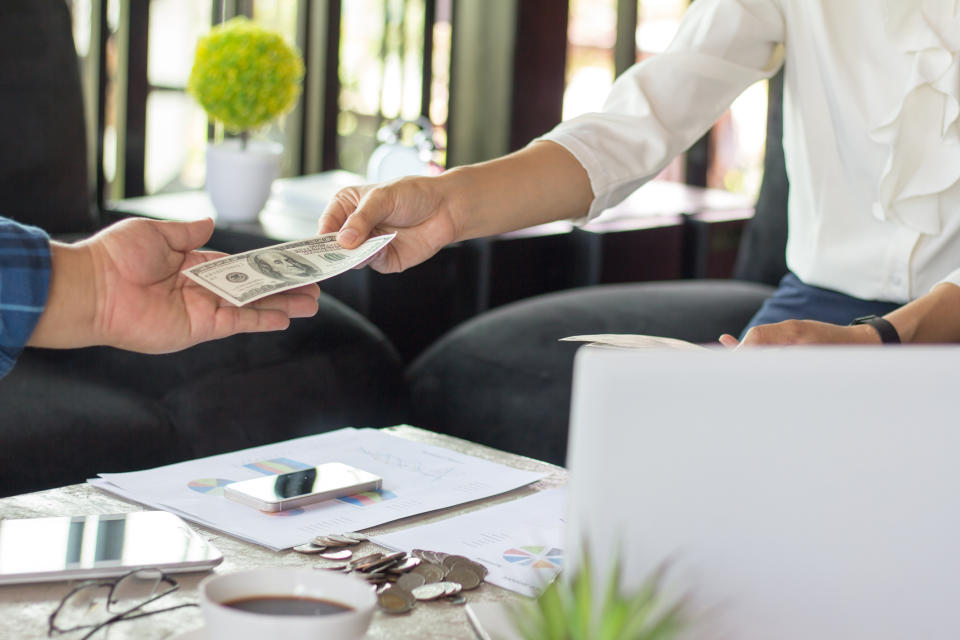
249	276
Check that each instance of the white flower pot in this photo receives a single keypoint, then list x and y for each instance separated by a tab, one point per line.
238	180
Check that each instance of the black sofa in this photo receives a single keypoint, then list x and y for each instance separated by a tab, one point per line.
67	415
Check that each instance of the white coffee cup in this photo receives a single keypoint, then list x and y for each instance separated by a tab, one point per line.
224	622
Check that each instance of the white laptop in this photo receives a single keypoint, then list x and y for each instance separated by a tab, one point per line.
798	493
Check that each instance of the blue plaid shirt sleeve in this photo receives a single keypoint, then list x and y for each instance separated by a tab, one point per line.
24	286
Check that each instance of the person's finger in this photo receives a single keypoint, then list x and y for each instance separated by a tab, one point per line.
230	320
185	236
371	211
335	213
729	341
293	305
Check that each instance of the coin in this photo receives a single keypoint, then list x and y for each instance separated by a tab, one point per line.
410	581
343	554
429	591
309	548
395	601
329	541
449	561
457	599
332	567
342	539
450	588
406	565
463	576
430	572
356	563
477	568
386	561
359	537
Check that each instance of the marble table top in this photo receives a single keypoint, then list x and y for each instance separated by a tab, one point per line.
24	609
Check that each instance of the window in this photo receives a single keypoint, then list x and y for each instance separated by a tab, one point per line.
377	60
730	157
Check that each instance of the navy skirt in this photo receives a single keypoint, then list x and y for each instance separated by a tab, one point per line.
795	300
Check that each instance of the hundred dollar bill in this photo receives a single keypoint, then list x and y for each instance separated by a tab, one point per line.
249	276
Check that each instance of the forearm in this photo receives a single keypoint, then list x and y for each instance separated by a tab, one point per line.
934	317
540	183
68	320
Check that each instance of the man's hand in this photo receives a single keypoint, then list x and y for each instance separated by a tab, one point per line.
792	332
123	288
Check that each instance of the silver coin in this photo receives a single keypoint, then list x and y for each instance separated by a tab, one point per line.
450	588
429	591
406	565
309	548
430	572
371	558
449	561
342	539
328	541
478	569
386	561
463	576
354	535
343	554
395	601
410	581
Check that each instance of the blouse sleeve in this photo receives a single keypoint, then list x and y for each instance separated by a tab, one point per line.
661	106
24	285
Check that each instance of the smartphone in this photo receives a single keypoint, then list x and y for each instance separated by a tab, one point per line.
299	488
100	546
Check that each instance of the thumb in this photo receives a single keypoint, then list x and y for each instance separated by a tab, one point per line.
365	218
729	341
185	236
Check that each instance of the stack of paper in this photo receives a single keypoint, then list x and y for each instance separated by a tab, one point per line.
416	478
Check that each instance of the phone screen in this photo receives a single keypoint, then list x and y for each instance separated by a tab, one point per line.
323	479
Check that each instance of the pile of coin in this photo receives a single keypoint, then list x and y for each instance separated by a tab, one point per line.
437	576
402	579
332	547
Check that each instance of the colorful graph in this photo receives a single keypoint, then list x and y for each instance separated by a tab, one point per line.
367	498
535	557
209	486
277	465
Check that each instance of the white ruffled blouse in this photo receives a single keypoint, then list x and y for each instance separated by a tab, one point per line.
871	129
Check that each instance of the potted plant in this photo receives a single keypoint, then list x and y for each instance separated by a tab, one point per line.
244	77
577	609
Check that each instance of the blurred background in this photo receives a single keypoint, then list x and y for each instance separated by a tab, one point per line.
489	75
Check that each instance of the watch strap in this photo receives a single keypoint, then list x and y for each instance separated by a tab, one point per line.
886	330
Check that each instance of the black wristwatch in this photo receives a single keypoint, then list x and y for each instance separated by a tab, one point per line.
888	333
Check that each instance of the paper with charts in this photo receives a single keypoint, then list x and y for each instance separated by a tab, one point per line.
416	478
519	542
245	277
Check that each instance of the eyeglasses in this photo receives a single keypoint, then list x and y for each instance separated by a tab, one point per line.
94	605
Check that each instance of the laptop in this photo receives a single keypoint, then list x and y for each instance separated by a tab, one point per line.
787	494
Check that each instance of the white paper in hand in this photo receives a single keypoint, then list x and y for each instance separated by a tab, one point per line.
249	276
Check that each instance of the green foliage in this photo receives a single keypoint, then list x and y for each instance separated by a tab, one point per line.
245	76
567	610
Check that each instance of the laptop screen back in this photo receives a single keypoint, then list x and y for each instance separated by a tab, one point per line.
791	493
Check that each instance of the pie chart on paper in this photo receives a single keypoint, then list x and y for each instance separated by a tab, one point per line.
209	486
536	557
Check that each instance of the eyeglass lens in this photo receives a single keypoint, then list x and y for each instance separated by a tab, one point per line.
93	604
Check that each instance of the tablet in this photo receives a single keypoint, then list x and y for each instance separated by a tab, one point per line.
97	546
